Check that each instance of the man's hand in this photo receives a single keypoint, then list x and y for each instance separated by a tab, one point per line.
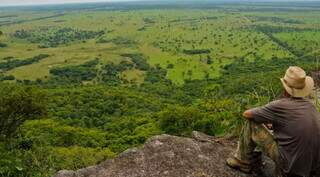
269	126
247	114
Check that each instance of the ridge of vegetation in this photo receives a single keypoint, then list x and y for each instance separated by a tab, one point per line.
48	37
14	63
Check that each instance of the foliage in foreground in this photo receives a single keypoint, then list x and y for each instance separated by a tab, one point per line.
100	121
17	105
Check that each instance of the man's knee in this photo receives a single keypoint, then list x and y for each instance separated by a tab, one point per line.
264	139
260	132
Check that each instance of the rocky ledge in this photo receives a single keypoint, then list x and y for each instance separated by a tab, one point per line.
171	156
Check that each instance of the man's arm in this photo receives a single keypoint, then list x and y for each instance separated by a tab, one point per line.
248	114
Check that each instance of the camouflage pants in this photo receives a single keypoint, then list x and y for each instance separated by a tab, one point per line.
257	137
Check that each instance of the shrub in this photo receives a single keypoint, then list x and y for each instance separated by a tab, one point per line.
18	104
70	158
3	45
179	120
53	37
196	51
83	72
14	63
6	77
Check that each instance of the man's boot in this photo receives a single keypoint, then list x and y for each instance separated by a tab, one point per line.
239	165
254	165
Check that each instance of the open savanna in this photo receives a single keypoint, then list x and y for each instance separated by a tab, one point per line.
191	44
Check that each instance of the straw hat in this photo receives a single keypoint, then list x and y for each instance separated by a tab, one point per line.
297	83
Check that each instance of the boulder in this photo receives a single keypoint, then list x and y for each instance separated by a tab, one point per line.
172	156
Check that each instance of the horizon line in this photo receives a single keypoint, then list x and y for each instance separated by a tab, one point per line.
127	1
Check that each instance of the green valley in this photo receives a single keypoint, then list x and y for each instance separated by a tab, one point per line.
96	79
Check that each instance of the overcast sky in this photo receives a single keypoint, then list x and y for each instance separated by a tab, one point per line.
30	2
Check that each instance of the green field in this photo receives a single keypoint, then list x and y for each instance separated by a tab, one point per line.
162	36
81	83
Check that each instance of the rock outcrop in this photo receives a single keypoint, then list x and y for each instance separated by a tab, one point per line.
171	156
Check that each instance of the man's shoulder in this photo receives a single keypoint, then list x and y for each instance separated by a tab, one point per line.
281	102
284	102
278	102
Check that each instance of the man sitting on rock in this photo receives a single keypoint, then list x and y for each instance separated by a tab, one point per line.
295	144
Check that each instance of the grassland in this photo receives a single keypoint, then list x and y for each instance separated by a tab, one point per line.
162	36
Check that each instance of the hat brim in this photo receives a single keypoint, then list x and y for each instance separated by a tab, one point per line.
300	93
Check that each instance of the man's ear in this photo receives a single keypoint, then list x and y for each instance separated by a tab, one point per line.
286	94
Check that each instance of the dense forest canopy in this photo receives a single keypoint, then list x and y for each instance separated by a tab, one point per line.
97	79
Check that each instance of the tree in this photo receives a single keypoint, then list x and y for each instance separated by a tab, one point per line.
170	66
1	33
179	120
18	104
209	60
